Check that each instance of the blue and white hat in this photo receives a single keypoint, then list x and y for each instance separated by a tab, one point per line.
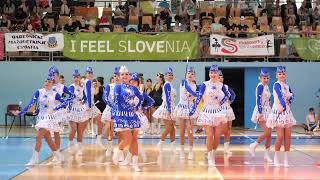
281	69
220	73
76	72
190	69
89	70
50	77
264	72
169	71
134	77
116	70
214	68
53	69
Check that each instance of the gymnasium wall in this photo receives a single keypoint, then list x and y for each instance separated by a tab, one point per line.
19	80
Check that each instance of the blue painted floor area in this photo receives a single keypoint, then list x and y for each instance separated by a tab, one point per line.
15	152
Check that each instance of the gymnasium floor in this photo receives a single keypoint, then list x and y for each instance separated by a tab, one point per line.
17	150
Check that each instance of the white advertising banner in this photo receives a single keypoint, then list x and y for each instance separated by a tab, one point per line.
33	42
226	46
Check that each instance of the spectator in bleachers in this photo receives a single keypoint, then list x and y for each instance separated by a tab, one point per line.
43	3
5	24
9	8
104	24
204	39
37	8
45	26
83	26
303	15
21	16
35	21
242	28
307	32
29	28
24	6
70	27
316	17
276	12
230	27
31	4
177	27
65	10
164	18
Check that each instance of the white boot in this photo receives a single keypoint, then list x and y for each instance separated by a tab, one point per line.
115	157
173	147
127	160
135	164
181	152
58	156
286	159
190	154
227	149
252	148
34	159
99	141
109	148
121	156
276	159
267	156
160	145
142	153
211	158
159	128
69	144
79	149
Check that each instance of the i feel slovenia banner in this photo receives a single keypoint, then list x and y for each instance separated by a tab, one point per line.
130	46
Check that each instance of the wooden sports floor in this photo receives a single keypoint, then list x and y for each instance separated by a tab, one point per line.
17	150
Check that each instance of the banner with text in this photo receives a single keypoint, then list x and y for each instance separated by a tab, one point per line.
33	42
226	46
130	46
307	48
1	47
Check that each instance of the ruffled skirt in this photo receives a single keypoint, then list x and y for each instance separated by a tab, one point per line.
78	113
50	122
107	115
229	112
126	120
210	116
182	111
265	113
283	120
163	113
145	125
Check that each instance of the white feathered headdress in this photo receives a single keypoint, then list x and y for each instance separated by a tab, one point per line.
123	69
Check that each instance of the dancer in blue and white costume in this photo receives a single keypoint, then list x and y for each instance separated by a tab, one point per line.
60	89
47	118
166	111
108	97
281	116
229	112
145	125
126	122
78	115
212	116
93	112
260	114
188	93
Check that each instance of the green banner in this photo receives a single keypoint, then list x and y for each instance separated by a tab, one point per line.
130	46
307	48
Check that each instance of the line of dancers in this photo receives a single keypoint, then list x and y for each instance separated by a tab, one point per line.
126	101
